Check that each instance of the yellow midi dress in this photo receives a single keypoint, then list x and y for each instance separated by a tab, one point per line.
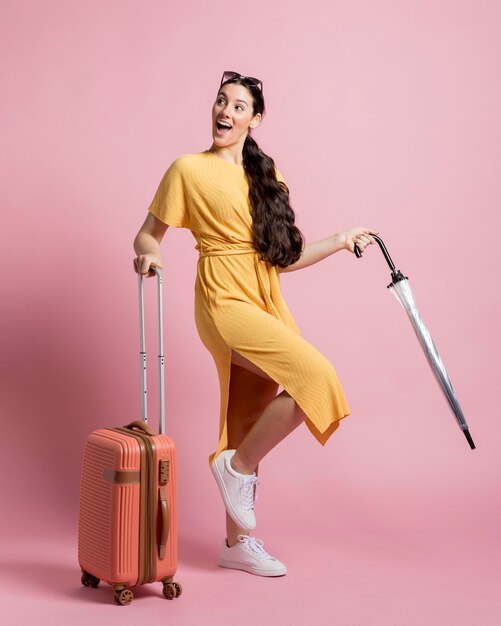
238	302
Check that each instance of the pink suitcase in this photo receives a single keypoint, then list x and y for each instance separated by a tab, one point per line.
128	502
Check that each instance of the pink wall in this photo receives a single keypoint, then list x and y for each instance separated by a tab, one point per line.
383	114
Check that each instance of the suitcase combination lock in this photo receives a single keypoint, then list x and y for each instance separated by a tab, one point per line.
164	472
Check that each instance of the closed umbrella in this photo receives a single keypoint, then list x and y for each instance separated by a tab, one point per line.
401	289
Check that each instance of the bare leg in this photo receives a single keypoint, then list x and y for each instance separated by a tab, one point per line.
259	391
280	417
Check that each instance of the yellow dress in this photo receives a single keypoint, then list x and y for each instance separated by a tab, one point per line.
238	302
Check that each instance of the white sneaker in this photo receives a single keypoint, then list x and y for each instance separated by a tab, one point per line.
237	490
248	555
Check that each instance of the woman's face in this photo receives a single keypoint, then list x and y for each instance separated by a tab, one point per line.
232	115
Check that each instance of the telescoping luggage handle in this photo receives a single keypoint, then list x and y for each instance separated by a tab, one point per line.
142	352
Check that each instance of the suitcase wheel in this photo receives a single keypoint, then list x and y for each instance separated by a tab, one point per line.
88	579
179	589
172	590
124	596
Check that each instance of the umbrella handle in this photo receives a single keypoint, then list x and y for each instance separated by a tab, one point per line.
358	254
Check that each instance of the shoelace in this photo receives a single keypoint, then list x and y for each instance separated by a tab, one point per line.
247	488
255	545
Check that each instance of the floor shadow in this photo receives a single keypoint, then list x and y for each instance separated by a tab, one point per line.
58	580
51	578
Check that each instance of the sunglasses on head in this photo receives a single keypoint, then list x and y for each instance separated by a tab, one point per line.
250	79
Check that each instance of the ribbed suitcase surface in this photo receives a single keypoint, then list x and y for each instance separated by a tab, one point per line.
121	518
128	502
109	509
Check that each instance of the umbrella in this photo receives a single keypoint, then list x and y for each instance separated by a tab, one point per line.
401	289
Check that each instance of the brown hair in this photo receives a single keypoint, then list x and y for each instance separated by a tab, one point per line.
276	237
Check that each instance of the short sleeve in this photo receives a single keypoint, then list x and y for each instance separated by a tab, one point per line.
171	202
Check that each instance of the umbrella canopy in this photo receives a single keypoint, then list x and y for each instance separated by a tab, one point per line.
401	289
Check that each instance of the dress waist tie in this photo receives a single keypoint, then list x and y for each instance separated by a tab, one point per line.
260	267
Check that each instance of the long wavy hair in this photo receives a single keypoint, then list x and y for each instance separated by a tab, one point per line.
276	237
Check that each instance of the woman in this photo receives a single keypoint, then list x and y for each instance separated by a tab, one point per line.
236	204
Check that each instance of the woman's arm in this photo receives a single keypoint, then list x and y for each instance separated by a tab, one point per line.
147	245
319	250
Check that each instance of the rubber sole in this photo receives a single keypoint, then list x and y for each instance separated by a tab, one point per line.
251	570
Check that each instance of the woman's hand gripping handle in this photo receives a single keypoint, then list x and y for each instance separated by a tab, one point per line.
147	246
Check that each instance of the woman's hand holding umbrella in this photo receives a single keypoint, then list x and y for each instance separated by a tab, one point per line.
360	237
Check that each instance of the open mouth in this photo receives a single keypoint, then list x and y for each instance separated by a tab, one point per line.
223	127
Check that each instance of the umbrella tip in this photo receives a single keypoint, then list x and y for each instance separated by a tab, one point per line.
468	438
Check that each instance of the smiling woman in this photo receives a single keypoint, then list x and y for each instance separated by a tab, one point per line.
236	204
239	108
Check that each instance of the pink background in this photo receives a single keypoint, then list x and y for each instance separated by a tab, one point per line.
383	114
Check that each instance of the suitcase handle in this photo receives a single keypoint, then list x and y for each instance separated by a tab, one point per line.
165	522
141	426
142	352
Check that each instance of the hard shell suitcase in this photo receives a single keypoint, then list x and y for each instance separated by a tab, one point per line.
128	501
